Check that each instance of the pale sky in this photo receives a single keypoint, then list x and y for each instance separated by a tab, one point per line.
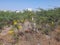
23	4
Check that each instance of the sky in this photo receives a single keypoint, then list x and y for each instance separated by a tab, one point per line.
23	4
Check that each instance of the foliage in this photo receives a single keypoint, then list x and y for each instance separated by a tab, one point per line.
50	16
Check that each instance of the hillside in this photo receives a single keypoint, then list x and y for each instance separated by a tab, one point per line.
30	27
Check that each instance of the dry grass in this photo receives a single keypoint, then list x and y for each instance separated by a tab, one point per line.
29	38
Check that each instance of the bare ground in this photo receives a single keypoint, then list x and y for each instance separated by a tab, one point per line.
30	38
